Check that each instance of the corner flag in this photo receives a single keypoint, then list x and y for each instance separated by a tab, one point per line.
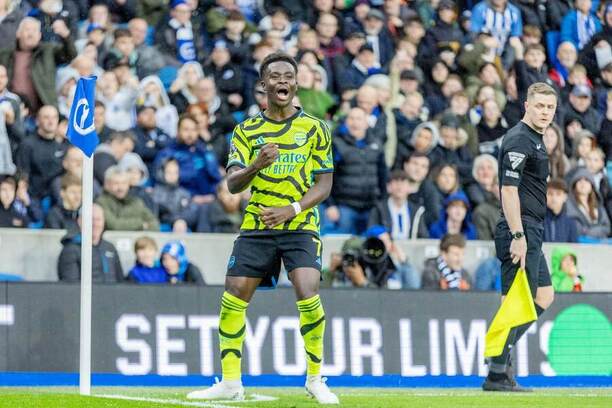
516	309
81	129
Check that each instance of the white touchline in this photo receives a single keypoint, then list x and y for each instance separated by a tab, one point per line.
215	404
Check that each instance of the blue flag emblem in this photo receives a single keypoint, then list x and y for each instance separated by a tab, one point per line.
81	129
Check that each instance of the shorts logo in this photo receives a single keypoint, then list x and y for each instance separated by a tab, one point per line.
515	159
300	138
232	262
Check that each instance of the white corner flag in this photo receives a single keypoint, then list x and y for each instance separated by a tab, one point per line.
82	133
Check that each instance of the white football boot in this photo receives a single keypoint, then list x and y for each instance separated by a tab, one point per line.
224	390
317	389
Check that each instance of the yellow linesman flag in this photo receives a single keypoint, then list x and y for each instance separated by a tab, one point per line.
516	309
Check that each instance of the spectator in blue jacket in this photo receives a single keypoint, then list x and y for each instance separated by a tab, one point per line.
455	218
558	227
150	139
364	65
147	268
178	268
580	24
199	168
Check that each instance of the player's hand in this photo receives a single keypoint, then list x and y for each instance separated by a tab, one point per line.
518	251
267	155
273	216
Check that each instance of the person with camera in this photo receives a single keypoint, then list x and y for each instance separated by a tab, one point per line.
371	262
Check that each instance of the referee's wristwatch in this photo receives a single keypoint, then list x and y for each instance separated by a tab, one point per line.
517	234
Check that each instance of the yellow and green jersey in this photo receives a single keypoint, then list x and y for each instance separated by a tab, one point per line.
304	145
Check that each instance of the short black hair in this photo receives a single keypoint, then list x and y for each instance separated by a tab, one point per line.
276	57
398	175
450	240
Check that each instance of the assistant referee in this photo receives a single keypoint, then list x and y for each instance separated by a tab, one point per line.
523	173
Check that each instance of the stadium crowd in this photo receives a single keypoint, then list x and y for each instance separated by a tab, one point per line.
418	94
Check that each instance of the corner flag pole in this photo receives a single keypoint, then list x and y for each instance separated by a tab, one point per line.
86	225
82	133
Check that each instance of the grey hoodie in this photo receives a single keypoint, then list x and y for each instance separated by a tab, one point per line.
434	131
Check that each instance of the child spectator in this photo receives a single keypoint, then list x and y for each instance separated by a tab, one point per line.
64	214
173	201
446	182
446	271
110	154
455	219
558	226
147	268
122	211
178	268
224	214
12	213
529	66
565	276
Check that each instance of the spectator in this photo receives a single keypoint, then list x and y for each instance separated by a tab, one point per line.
595	163
327	29
580	24
102	130
567	55
378	35
227	75
54	13
64	215
460	106
558	226
342	62
452	147
314	101
65	86
586	207
580	108
173	201
220	117
364	64
118	100
7	120
445	32
72	165
455	219
122	211
424	192
12	212
446	182
400	217
105	267
40	155
605	135
237	37
584	142
177	39
217	141
147	269
184	88
177	266
111	153
368	99
488	275
554	141
446	271
565	276
153	94
10	16
407	117
359	178
484	195
199	168
529	66
150	139
32	64
138	175
224	215
491	128
424	139
150	60
10	112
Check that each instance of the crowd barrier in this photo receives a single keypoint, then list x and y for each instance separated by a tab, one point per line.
155	335
33	254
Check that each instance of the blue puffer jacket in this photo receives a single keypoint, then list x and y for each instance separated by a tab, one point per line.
468	229
199	168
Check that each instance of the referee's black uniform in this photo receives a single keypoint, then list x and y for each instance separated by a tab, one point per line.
523	162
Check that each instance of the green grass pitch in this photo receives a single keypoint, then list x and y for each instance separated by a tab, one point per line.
133	397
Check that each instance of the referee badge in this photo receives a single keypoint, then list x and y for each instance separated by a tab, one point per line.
300	138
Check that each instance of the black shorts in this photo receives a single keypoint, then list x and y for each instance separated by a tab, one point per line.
535	262
260	255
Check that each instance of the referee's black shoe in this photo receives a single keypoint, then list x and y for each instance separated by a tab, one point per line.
503	383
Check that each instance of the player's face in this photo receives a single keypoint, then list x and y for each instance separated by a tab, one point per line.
280	83
541	110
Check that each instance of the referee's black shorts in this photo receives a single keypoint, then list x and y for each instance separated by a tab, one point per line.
260	255
535	263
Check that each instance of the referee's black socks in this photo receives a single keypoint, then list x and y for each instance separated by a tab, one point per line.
499	364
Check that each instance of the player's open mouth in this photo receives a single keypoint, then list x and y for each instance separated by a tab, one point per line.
282	94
